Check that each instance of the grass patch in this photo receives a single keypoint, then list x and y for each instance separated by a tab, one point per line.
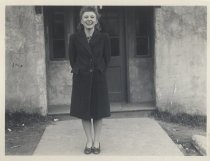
23	132
181	118
21	118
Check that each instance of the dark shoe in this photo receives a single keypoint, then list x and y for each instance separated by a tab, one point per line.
87	150
96	150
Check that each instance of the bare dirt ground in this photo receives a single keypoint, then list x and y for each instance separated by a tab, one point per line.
23	132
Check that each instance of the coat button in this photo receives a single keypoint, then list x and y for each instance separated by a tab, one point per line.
91	70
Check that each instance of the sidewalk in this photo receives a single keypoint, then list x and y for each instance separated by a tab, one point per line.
120	136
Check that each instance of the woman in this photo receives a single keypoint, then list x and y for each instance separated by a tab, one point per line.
89	54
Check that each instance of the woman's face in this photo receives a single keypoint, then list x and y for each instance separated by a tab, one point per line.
89	20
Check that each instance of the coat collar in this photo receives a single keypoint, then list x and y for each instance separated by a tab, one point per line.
83	40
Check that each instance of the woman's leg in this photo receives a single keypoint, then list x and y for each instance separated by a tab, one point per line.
97	124
88	131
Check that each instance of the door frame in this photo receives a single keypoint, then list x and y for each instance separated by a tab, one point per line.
128	18
124	56
70	28
124	60
128	15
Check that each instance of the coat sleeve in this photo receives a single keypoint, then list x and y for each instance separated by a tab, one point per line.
107	50
72	51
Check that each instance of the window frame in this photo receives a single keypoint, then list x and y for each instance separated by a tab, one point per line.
148	34
52	11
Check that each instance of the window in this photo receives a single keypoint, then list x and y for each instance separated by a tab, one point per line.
57	34
143	25
142	45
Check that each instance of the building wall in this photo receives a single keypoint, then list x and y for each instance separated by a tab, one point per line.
25	61
180	59
59	79
180	63
141	79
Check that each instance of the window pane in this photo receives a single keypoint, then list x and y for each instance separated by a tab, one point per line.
115	47
143	24
142	46
58	31
58	49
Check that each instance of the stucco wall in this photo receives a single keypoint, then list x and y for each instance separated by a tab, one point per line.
59	78
25	61
141	79
180	59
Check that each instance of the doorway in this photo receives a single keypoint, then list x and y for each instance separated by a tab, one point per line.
112	22
130	73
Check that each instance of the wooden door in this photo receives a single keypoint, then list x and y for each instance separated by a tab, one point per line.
112	22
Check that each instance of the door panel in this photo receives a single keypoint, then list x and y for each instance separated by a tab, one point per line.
112	23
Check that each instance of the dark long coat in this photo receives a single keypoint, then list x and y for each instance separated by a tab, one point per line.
89	61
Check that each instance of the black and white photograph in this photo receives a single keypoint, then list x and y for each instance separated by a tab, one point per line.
105	80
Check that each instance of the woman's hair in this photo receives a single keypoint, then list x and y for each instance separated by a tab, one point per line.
89	9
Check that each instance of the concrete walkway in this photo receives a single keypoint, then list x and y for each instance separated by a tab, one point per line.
127	136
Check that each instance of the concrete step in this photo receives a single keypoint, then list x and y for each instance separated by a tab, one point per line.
145	107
